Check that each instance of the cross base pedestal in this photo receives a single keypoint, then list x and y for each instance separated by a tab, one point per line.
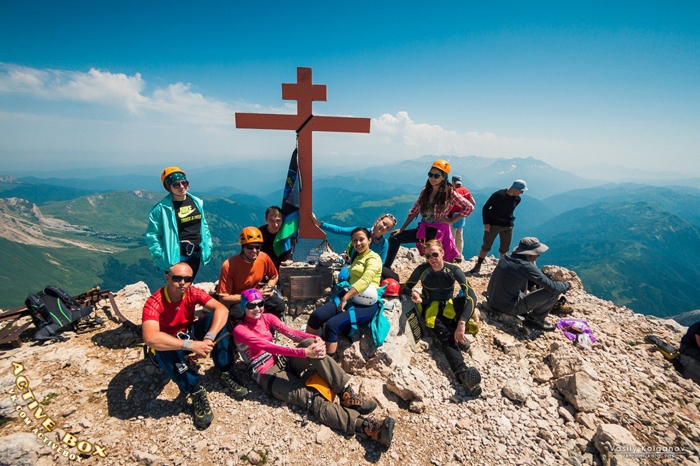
308	250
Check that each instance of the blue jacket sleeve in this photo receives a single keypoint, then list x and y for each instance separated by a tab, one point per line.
154	235
330	228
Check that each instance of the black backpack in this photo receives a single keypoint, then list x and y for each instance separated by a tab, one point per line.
54	311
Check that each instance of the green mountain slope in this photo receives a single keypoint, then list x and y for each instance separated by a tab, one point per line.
122	213
634	254
39	193
27	269
677	200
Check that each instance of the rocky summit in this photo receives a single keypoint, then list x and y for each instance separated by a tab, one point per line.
545	399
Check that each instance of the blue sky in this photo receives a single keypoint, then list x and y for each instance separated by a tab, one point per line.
99	84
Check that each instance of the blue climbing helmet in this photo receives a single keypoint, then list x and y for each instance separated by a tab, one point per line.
344	275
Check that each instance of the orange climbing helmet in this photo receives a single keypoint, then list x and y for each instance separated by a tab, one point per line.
170	171
442	165
319	383
250	235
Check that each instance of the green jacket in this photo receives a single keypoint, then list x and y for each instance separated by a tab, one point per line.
365	270
163	239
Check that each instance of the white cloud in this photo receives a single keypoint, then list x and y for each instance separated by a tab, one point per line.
121	91
426	138
175	119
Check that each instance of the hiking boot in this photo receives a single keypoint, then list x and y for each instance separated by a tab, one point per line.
202	415
539	324
457	260
475	270
381	431
470	379
230	381
560	308
350	399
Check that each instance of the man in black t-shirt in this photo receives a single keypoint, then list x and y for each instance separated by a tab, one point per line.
497	215
273	217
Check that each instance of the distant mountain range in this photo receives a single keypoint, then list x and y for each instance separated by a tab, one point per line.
259	178
635	244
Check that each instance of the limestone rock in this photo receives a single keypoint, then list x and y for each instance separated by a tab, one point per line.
20	449
146	458
565	414
322	436
612	441
580	390
409	383
561	274
517	390
328	258
131	299
503	340
564	361
396	350
540	372
587	420
255	458
504	425
362	356
353	362
479	355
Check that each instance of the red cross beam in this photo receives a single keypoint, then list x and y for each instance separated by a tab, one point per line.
304	123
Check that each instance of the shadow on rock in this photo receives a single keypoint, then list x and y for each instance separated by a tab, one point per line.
134	392
512	325
117	338
373	450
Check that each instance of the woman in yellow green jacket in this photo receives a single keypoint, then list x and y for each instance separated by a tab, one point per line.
365	274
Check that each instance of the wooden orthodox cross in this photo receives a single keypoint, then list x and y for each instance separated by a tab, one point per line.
304	123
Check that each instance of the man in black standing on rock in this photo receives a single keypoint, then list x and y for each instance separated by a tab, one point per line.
508	287
497	215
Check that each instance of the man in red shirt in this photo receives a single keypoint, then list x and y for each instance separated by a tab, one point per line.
170	333
458	226
252	268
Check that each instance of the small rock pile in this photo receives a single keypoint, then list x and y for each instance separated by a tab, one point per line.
544	401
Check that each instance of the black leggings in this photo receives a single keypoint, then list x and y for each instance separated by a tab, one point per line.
406	236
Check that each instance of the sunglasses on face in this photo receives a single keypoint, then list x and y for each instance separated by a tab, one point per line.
179	278
254	305
252	247
432	255
435	175
180	184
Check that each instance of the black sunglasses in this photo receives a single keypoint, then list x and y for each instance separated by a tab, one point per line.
432	254
435	175
178	184
252	246
179	278
254	304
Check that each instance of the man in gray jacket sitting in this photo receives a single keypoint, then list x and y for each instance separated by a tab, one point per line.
508	287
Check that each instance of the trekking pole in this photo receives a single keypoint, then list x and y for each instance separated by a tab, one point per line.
222	337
